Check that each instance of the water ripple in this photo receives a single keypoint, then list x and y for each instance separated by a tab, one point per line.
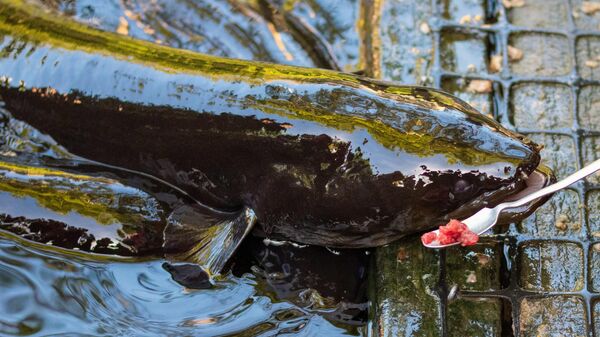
48	293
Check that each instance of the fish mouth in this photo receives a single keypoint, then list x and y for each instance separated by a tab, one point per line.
539	178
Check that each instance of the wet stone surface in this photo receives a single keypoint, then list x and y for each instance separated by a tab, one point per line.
596	311
588	57
541	106
463	51
553	317
559	153
478	97
582	17
474	268
561	216
590	151
406	302
594	277
543	54
464	12
551	266
475	317
404	47
588	107
593	203
540	14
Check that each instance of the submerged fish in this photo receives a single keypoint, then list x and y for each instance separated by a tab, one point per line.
314	156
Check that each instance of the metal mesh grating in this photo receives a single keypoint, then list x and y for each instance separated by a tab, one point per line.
535	278
541	277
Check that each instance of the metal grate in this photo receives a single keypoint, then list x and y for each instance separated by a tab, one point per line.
540	277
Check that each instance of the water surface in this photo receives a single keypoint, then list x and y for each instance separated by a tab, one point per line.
60	293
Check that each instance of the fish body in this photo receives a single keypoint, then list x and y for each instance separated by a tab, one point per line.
316	156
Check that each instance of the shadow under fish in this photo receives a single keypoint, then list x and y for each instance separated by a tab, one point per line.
313	156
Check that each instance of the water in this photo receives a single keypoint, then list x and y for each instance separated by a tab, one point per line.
65	293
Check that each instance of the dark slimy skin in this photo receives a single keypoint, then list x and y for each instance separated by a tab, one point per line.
321	157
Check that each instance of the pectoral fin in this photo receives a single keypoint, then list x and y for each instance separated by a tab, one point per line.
204	236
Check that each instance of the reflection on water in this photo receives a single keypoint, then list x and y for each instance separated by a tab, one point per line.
30	207
52	293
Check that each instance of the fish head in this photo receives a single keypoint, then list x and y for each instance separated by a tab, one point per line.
470	162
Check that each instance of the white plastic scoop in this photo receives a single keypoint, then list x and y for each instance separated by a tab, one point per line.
486	218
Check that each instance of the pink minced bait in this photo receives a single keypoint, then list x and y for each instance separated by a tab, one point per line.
453	232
